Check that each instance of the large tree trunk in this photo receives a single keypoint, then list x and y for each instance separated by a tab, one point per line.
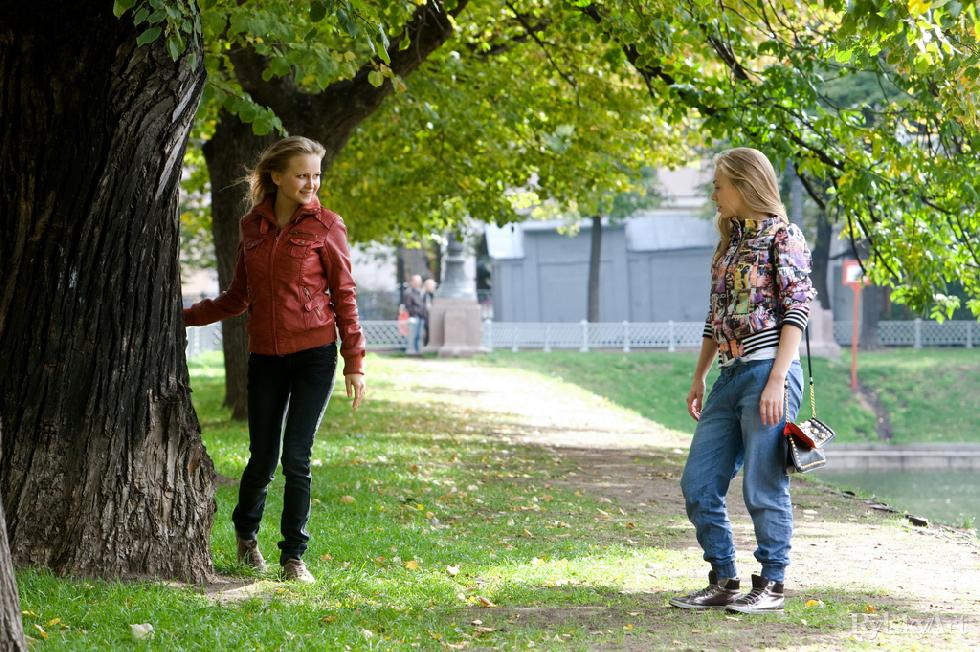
11	624
330	117
595	261
232	148
821	259
103	471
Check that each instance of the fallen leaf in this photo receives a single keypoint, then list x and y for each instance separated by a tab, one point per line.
142	631
527	533
476	622
367	633
870	608
347	500
326	557
52	622
411	564
452	571
484	602
40	630
328	619
628	626
630	525
810	604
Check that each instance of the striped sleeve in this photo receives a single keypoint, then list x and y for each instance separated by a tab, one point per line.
708	331
796	290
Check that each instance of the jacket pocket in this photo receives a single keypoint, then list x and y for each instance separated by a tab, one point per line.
301	247
316	313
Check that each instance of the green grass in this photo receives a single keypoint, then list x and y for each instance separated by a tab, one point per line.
565	569
930	394
426	496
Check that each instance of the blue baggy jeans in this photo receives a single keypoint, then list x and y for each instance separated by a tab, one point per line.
728	436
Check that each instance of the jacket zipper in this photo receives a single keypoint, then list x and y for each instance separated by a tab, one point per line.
272	287
728	293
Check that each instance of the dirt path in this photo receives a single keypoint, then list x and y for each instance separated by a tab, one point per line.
843	549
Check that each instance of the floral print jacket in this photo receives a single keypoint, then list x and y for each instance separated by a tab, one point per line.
760	283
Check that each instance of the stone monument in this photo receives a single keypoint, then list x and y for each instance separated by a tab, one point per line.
454	318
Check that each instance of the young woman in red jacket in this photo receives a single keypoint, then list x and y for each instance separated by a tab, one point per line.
293	275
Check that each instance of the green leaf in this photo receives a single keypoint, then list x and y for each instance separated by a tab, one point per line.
173	49
318	10
149	36
375	78
119	7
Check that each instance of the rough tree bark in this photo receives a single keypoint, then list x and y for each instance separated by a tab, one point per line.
11	623
227	153
595	262
103	471
330	117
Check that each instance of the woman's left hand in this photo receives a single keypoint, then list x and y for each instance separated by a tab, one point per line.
355	388
771	403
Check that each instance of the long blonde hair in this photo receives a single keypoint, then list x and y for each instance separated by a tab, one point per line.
275	158
755	180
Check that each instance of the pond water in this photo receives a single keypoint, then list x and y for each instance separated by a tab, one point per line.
951	497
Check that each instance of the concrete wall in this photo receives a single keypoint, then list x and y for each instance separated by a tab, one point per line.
550	283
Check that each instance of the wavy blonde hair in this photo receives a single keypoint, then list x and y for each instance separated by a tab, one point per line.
275	158
755	180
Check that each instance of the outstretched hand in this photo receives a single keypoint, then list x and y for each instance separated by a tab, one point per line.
355	388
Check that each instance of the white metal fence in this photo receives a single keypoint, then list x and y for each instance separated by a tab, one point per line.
917	333
626	336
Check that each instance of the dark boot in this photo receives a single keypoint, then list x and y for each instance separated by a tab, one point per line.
248	553
766	597
717	595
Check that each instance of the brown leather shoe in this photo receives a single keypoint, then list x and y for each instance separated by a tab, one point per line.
294	570
248	553
766	597
717	595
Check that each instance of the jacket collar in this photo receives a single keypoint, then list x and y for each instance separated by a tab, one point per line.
267	211
743	226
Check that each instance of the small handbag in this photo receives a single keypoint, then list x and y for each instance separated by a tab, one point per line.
805	440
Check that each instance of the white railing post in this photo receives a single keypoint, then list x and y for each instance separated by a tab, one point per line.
547	338
513	338
489	323
917	329
670	336
969	334
626	336
585	336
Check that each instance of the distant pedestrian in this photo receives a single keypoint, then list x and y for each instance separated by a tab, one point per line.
416	311
292	252
428	296
760	298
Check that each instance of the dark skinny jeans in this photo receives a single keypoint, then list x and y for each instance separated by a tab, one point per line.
296	387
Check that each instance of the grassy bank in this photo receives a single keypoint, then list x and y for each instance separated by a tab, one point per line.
928	395
431	532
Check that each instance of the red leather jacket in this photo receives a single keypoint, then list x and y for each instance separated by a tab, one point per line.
296	284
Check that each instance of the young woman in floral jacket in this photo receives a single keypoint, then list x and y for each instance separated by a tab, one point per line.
760	297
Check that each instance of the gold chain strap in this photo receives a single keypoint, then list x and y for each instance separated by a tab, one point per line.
813	401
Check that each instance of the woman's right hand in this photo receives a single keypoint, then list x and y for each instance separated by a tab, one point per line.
695	399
